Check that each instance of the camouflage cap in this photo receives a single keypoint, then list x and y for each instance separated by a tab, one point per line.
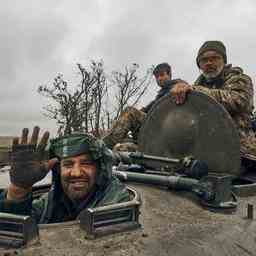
73	145
217	46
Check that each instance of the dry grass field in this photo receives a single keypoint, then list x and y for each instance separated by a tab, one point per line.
5	141
5	144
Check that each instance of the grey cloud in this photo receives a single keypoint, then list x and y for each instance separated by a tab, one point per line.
40	39
30	41
26	42
153	31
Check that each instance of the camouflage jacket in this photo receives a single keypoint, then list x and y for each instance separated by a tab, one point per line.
234	90
56	207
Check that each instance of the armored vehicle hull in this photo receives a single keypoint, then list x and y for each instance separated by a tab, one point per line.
171	222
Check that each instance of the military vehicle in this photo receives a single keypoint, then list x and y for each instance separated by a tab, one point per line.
171	211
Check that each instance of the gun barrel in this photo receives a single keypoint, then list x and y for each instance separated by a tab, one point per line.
172	182
155	158
138	157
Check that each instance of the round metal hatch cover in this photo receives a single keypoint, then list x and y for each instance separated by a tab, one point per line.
200	127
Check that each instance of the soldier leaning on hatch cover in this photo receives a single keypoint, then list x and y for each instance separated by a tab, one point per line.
230	87
132	119
82	177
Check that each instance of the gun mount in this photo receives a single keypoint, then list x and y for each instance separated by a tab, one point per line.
214	191
187	166
201	128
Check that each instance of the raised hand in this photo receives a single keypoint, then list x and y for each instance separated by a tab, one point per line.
29	159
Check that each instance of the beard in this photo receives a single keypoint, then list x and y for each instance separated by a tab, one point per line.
77	189
213	72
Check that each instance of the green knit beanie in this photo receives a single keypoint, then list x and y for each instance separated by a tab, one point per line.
216	46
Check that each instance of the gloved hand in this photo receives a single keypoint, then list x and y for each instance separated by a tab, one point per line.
29	160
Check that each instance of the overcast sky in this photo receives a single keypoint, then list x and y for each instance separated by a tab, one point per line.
42	38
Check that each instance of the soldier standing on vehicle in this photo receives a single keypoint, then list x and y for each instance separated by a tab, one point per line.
131	119
229	86
82	177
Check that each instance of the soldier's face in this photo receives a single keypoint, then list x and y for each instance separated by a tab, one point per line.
77	176
211	63
161	77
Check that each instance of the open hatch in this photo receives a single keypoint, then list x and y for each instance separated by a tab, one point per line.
17	231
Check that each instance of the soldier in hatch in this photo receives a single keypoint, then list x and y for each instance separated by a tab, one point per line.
82	177
132	119
229	86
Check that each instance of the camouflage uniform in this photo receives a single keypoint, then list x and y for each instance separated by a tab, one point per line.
131	120
234	90
55	206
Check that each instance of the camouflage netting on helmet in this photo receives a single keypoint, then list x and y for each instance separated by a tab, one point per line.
77	144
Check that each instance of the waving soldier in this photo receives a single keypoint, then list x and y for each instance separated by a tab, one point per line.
82	177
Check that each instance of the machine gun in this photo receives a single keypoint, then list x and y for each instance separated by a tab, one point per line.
213	190
140	162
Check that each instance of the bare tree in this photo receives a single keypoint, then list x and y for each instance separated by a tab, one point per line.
130	87
98	93
85	107
70	108
87	84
